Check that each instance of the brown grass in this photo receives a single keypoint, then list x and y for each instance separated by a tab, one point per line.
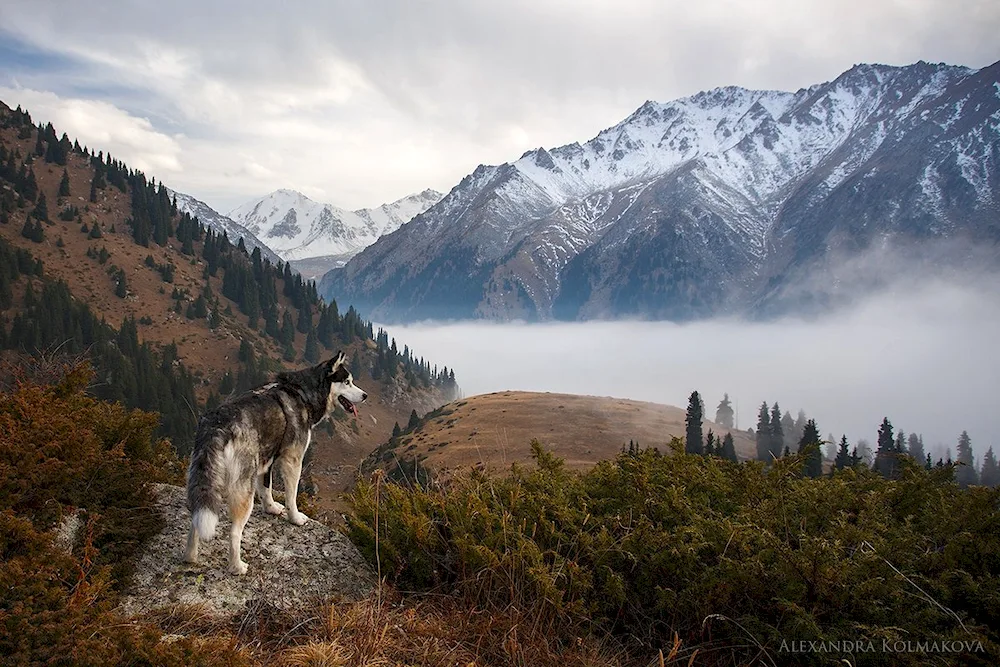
494	430
389	629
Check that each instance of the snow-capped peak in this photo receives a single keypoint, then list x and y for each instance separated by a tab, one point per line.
297	227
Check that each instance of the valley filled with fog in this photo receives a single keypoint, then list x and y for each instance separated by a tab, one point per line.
925	356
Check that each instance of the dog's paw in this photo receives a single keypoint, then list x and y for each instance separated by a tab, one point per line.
298	518
275	508
238	567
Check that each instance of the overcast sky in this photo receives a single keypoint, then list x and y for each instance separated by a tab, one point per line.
357	103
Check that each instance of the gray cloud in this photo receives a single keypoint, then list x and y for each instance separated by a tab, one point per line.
363	102
925	355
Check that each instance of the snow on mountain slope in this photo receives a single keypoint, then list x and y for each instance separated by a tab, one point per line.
212	218
297	227
708	203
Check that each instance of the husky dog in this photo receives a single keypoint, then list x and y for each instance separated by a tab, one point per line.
238	443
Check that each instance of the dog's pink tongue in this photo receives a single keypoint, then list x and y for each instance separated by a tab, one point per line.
355	409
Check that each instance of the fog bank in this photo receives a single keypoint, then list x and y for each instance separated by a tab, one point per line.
925	357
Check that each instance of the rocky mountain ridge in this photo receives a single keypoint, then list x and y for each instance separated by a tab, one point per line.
722	202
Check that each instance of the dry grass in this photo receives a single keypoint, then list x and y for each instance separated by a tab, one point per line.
492	431
439	631
388	629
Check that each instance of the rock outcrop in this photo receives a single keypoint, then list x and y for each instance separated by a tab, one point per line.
290	566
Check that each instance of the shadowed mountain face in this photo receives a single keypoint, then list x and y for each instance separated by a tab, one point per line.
723	202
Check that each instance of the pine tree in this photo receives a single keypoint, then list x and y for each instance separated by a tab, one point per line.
843	459
396	431
916	447
729	448
41	211
710	444
305	319
965	472
777	439
764	433
287	337
990	475
928	465
724	413
64	184
38	233
798	427
121	289
694	439
414	421
227	384
311	353
810	446
900	445
788	429
885	455
29	185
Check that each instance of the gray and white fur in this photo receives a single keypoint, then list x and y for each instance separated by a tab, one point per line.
239	443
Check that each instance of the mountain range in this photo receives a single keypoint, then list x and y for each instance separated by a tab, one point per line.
723	202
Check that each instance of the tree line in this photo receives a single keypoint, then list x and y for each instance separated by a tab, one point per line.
775	434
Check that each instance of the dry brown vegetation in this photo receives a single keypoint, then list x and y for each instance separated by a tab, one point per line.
386	629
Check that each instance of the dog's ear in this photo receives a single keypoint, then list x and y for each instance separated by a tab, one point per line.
336	362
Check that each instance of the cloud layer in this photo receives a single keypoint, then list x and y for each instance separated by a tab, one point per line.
924	356
359	103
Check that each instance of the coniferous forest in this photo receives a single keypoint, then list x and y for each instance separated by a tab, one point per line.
49	320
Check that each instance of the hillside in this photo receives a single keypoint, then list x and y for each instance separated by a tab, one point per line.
492	431
719	203
217	317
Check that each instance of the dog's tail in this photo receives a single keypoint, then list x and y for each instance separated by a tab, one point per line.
204	485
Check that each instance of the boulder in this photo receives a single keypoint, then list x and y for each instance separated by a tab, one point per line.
289	566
